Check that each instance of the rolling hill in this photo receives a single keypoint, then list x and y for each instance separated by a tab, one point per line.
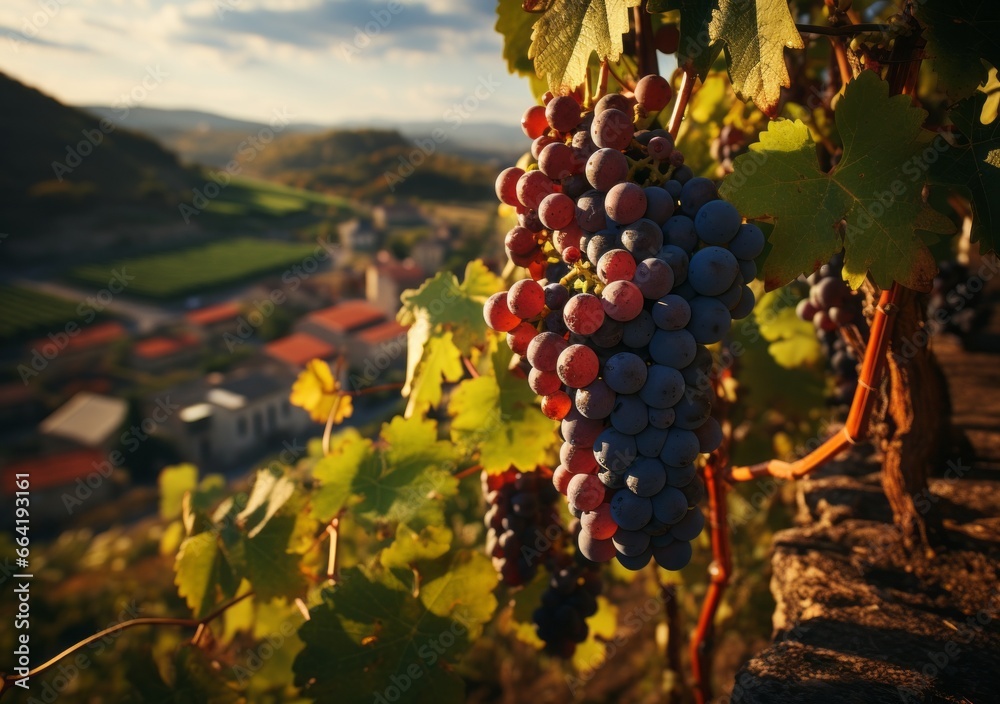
60	160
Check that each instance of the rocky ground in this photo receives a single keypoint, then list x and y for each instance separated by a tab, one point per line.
857	620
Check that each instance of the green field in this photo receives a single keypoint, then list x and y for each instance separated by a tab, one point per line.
197	269
27	313
249	197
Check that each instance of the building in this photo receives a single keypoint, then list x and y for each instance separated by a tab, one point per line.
237	417
213	322
298	349
336	325
57	481
79	353
376	350
164	353
87	420
397	215
387	277
359	235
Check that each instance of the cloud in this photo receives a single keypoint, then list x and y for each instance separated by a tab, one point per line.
423	27
15	38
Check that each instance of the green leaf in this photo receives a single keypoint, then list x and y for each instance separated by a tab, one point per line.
412	475
454	306
695	47
463	592
203	575
515	25
793	340
270	491
192	679
961	33
974	165
337	471
371	638
755	39
270	564
410	547
569	31
873	195
497	415
440	361
174	482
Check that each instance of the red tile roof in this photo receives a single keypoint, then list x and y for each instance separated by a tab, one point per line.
347	316
53	470
214	314
89	336
299	348
383	332
159	347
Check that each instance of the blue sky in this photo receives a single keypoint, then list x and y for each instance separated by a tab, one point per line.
324	61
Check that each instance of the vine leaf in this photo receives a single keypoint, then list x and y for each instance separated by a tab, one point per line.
873	195
318	392
452	306
336	472
268	561
440	361
514	24
497	413
570	31
174	482
409	546
463	591
371	632
403	477
271	490
793	341
203	575
193	679
961	33
975	166
695	47
601	629
755	39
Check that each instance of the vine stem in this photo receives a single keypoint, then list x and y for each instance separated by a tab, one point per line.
473	372
644	47
602	81
468	471
721	568
375	389
333	563
688	79
199	624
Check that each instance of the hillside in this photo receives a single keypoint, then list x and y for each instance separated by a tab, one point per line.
361	164
52	167
212	140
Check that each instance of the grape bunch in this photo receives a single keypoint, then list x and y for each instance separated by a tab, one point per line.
522	523
571	597
635	266
956	301
831	305
729	144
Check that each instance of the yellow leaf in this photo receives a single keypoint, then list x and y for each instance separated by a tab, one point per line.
318	392
570	31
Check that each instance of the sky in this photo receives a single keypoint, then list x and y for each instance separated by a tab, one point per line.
320	61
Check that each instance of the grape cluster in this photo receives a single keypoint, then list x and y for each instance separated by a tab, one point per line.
636	265
956	301
522	523
831	305
729	144
570	598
